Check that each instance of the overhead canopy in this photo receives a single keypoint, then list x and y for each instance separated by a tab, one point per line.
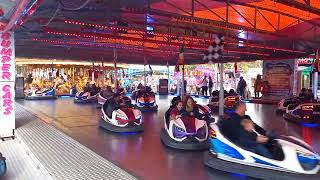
154	30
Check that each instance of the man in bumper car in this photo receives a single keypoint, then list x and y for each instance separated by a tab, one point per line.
145	99
240	129
116	102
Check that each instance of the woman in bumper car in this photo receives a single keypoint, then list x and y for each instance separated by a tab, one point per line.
190	107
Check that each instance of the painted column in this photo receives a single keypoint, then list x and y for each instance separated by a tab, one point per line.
221	92
7	83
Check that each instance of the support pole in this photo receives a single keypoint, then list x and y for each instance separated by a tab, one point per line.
315	77
168	76
221	92
217	78
144	72
115	81
182	88
92	74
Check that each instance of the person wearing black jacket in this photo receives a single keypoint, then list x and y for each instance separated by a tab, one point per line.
231	127
234	131
190	108
251	140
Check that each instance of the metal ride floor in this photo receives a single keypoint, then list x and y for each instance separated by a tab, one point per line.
143	155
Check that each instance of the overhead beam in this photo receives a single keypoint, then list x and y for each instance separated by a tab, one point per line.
299	5
269	10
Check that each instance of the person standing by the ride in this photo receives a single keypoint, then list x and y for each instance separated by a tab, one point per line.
210	85
257	87
242	84
205	86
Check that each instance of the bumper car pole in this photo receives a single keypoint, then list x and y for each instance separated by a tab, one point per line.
144	71
115	68
182	82
315	75
221	92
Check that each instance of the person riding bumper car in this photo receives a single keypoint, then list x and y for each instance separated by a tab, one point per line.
145	100
186	132
121	118
47	93
104	95
306	113
85	97
147	103
284	103
229	103
294	159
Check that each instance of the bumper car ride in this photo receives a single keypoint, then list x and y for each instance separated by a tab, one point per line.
187	133
296	160
284	103
41	95
304	114
125	119
146	104
85	97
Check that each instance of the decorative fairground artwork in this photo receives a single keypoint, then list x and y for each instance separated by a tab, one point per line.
278	77
7	83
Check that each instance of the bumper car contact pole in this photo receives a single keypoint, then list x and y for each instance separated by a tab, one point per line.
144	71
182	82
315	76
115	68
221	92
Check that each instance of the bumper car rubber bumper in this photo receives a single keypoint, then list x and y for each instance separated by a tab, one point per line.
148	108
40	97
212	161
110	127
280	111
81	101
295	119
168	141
215	108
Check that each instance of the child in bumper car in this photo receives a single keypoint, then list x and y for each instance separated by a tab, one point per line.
252	141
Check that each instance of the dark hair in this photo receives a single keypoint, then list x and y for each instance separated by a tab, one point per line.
238	104
175	100
231	91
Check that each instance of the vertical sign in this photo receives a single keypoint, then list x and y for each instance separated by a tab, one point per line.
7	82
279	77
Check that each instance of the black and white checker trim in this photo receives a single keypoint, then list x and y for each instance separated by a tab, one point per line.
214	50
